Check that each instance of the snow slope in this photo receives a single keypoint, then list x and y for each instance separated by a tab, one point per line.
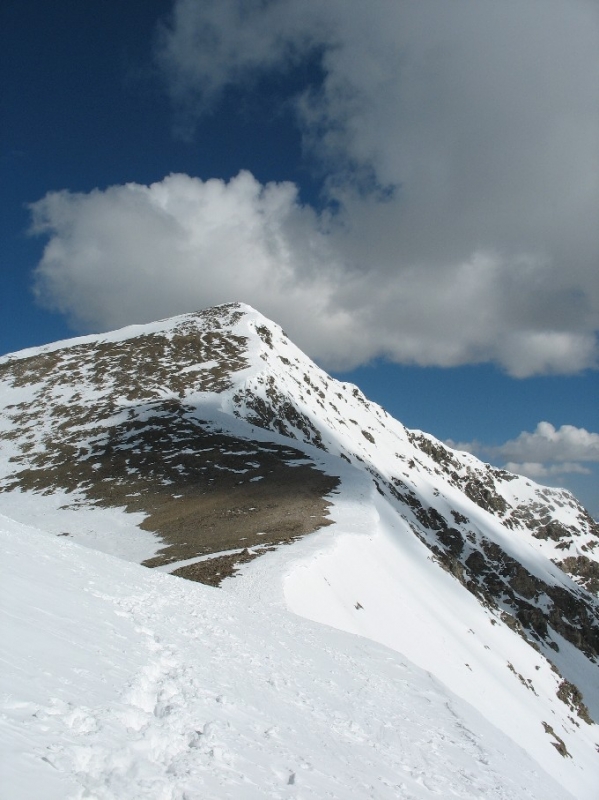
378	581
123	683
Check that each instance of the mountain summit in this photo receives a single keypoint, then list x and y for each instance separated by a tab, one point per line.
201	444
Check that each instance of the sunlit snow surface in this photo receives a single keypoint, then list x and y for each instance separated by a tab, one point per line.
123	683
378	581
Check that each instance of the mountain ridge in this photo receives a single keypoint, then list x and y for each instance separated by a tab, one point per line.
212	425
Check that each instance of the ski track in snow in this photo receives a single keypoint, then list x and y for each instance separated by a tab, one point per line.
176	691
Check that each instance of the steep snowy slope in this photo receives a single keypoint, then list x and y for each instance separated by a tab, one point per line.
213	432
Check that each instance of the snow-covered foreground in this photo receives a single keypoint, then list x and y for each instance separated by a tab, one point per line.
120	683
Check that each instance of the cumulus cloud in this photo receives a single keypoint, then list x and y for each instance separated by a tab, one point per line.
547	452
536	471
138	253
548	443
461	147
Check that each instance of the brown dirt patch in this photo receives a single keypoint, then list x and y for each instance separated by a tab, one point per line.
203	491
214	570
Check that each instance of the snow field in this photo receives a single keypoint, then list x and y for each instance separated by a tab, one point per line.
122	683
379	581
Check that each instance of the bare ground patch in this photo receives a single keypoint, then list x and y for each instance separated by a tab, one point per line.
203	491
287	502
214	570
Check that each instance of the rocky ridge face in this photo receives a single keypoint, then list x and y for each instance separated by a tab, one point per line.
460	507
225	435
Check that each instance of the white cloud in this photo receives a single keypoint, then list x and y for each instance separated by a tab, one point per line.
550	444
535	470
461	141
473	447
136	253
546	453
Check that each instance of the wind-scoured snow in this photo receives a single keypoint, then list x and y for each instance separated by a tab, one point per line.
439	638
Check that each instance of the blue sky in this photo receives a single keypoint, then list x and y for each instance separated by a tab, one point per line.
410	190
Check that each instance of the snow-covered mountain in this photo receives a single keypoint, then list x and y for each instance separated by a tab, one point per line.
199	446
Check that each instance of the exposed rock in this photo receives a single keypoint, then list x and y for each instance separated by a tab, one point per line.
583	570
559	743
572	697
